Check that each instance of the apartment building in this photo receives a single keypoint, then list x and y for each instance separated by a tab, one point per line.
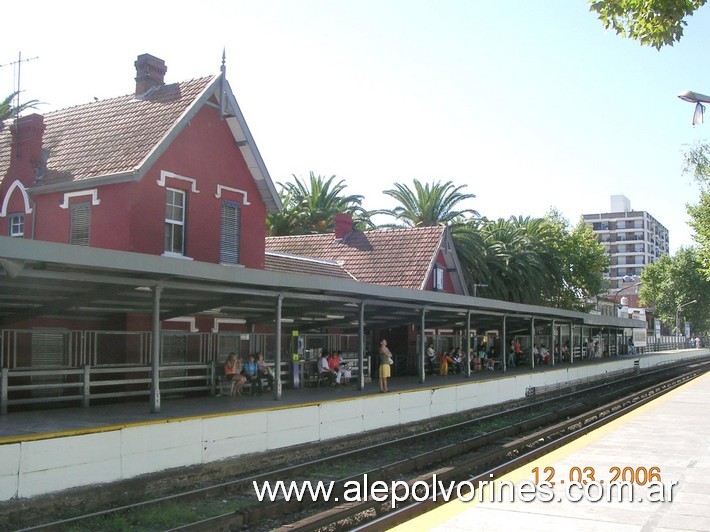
632	238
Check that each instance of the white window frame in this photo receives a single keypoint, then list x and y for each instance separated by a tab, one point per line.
16	225
175	222
437	281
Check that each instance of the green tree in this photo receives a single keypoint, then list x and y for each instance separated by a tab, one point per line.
533	260
310	206
515	268
429	204
697	163
8	109
582	263
654	23
674	281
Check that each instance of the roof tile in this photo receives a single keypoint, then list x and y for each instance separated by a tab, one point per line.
394	257
109	136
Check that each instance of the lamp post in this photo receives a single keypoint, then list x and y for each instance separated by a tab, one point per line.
677	314
616	295
476	286
698	99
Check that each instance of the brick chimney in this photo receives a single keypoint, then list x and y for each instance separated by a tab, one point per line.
26	149
150	72
343	225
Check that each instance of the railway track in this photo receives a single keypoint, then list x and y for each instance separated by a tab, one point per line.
491	439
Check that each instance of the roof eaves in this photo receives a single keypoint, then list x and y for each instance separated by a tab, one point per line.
432	261
110	179
455	258
251	154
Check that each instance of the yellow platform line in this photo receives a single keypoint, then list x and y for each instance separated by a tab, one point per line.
446	512
110	428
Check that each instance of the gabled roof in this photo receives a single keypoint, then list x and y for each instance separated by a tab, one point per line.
394	257
118	139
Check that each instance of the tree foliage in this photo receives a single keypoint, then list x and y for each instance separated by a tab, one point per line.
310	207
674	281
654	23
429	204
697	163
532	260
8	109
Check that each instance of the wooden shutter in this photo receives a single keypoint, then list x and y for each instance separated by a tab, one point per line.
229	233
80	222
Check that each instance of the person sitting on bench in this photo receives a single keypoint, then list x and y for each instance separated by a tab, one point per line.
264	371
251	372
325	372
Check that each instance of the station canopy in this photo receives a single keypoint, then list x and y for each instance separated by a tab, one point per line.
44	279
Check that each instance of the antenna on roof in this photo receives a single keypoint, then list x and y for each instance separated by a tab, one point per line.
222	83
17	69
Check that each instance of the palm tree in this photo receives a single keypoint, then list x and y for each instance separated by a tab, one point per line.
430	204
10	110
310	207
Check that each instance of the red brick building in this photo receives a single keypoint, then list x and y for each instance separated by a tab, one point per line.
169	170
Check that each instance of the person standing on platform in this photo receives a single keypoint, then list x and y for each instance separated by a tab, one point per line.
385	366
632	347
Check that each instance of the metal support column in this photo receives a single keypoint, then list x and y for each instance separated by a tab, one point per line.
422	348
467	344
571	342
552	342
278	385
361	340
503	345
582	352
4	380
532	343
155	360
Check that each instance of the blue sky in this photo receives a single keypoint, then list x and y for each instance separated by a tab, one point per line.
532	105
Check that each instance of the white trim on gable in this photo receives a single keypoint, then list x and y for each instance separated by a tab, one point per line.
220	188
25	197
94	193
164	175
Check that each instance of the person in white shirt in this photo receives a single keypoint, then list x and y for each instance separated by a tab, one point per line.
325	371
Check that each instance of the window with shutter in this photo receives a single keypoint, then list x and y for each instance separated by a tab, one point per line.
229	233
80	222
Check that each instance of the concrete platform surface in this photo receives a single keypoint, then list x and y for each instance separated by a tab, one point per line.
666	440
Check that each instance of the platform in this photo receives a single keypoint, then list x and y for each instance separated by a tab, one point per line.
671	434
51	450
